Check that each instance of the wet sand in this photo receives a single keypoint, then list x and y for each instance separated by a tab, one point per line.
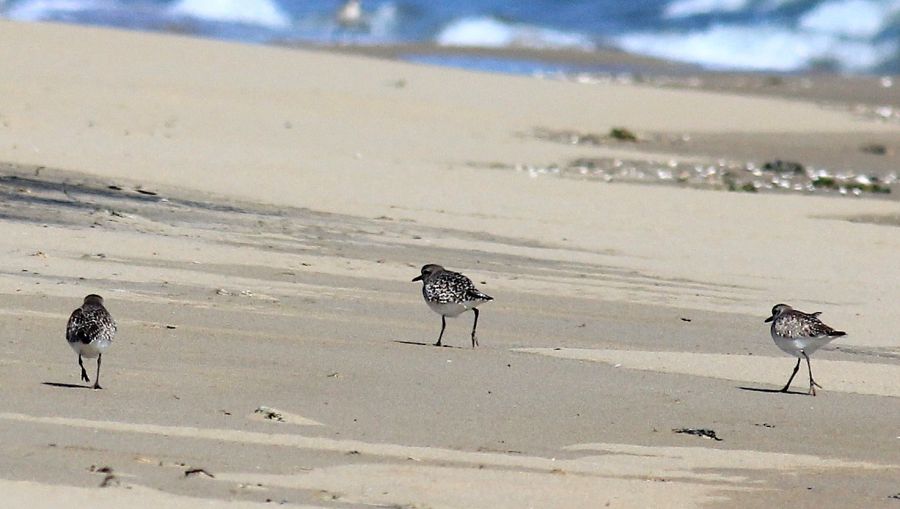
253	217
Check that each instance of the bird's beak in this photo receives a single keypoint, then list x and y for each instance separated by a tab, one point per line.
417	278
769	319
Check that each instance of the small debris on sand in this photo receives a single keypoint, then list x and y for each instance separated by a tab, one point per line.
270	413
622	134
780	166
700	432
109	479
197	471
877	149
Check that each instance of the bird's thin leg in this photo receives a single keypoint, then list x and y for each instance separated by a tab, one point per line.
84	377
443	326
812	383
97	378
791	379
474	326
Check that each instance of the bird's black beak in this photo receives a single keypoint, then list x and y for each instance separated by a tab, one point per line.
417	278
769	319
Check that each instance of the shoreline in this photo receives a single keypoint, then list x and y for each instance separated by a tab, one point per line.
864	93
846	156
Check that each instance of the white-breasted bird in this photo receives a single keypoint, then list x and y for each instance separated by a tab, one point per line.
800	334
450	293
90	332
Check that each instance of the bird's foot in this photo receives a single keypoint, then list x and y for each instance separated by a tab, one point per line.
96	387
437	344
84	377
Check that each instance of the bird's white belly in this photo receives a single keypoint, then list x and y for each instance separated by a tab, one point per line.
793	346
91	350
452	309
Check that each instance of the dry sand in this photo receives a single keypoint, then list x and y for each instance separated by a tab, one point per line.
253	217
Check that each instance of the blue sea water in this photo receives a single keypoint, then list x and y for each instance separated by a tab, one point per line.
850	36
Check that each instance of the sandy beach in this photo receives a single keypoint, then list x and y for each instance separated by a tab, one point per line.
253	216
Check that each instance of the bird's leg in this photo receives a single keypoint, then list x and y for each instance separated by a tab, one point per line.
474	326
812	383
84	377
791	379
443	326
97	378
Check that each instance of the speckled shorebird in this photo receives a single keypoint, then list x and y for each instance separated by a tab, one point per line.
90	332
450	293
800	334
350	14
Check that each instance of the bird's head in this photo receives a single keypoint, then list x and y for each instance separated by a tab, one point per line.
427	271
778	310
94	299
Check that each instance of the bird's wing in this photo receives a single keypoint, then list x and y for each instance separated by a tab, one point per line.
476	294
76	328
87	325
812	327
448	287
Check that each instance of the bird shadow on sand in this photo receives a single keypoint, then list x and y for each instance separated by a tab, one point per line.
66	386
419	343
772	391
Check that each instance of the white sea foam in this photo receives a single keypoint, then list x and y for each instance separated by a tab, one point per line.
781	35
383	21
248	12
37	10
687	8
862	19
768	5
758	48
492	33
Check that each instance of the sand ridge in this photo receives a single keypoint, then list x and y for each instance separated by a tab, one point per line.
40	496
619	472
843	376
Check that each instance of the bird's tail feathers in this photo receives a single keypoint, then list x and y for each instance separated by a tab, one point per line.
479	295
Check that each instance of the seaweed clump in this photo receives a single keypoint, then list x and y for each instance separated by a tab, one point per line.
780	166
864	186
622	134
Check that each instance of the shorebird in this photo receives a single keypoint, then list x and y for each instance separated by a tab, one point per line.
90	332
350	14
450	293
800	334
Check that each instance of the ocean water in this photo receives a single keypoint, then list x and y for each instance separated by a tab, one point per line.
847	36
